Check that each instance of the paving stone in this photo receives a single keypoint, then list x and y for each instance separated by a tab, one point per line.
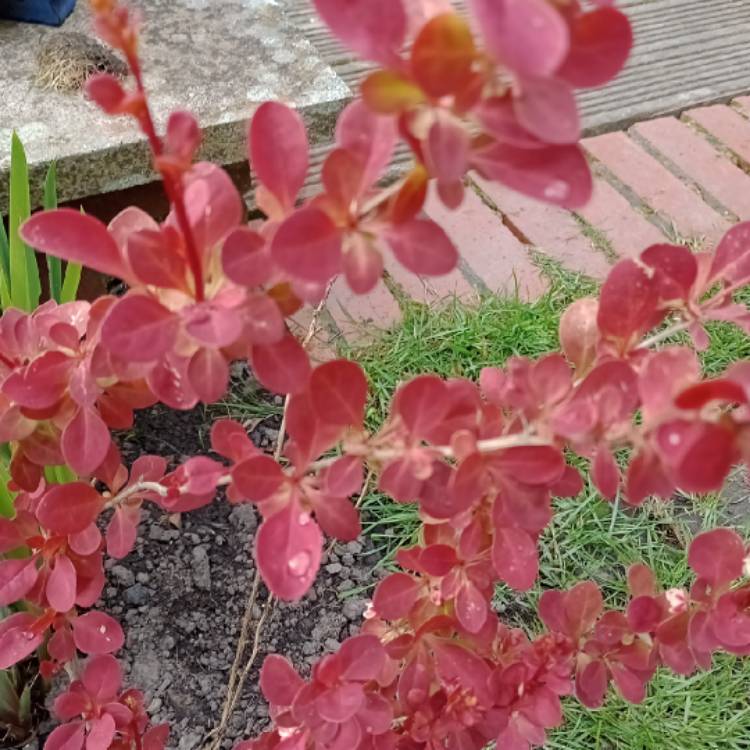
726	125
356	315
626	230
431	289
700	161
742	103
552	230
656	186
488	248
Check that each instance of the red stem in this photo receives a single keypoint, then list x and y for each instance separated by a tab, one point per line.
172	186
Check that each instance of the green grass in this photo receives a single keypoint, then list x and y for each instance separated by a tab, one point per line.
707	710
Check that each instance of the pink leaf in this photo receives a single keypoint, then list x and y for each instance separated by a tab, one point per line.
599	47
369	136
717	556
423	247
529	36
447	151
230	439
199	475
288	550
69	508
338	392
97	633
554	174
156	737
10	536
395	596
209	374
532	465
308	246
579	333
66	737
340	702
140	329
471	607
244	258
101	733
547	108
156	257
515	558
85	442
279	681
605	473
375	31
258	477
85	542
121	534
283	367
71	235
422	403
61	585
183	136
591	684
732	258
279	151
17	577
363	264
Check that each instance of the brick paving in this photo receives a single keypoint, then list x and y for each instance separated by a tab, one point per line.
679	179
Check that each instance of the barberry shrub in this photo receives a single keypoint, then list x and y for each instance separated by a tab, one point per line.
433	666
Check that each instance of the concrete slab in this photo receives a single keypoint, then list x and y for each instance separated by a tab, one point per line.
218	58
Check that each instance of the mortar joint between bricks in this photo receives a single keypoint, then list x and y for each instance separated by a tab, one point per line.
516	231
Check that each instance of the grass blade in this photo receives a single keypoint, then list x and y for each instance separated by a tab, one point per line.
6	496
24	274
70	284
4	268
54	265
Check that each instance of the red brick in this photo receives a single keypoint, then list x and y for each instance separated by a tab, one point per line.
700	161
726	125
743	104
430	289
610	213
488	247
356	315
656	186
552	230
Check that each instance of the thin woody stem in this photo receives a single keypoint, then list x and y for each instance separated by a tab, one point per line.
667	333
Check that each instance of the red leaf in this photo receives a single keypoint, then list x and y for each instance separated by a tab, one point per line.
307	246
591	684
641	580
605	473
363	264
288	550
717	556
85	542
395	596
85	442
554	174
283	367
457	665
532	465
344	477
230	439
646	477
156	737
157	257
583	606
697	396
644	614
258	477
676	267
97	633
362	658
373	31
279	151
338	392
139	329
438	559
338	518
244	258
422	404
10	536
515	558
17	639
279	681
547	108
340	702
121	534
397	480
17	577
599	46
73	236
529	36
471	607
569	485
69	508
66	737
101	733
61	585
423	247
